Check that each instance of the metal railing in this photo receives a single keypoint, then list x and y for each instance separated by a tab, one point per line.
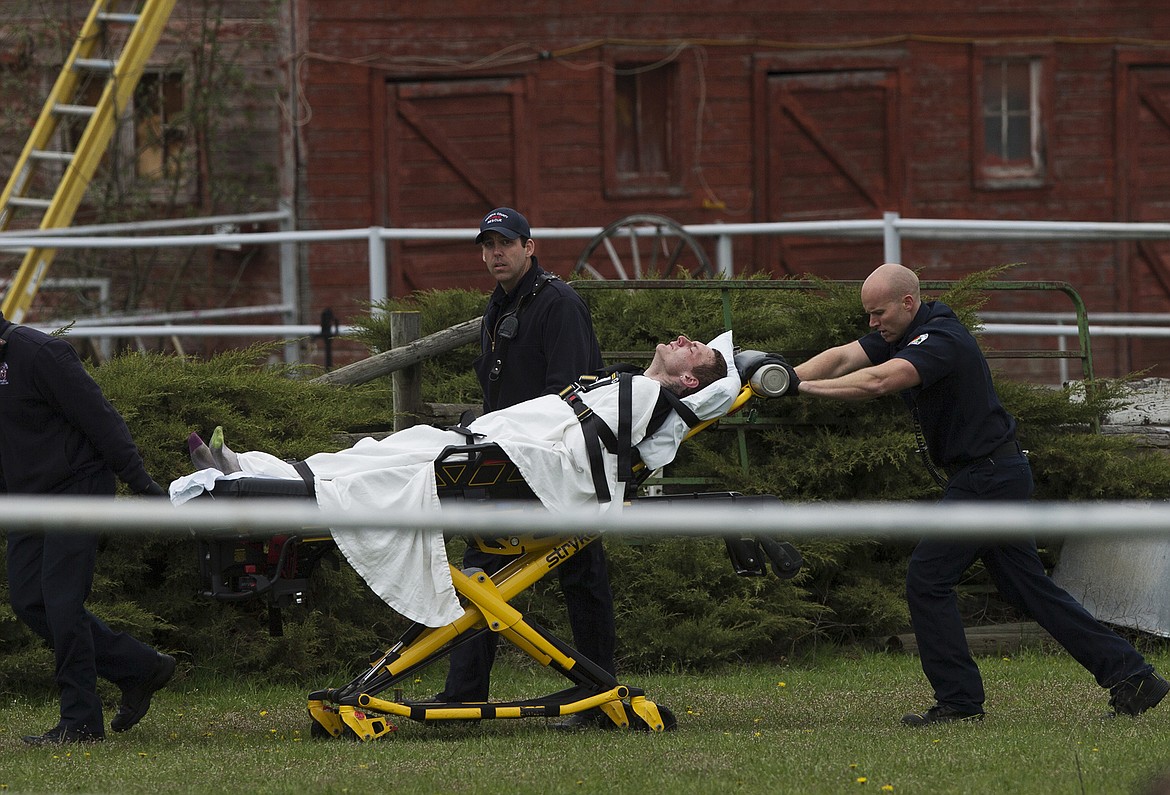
891	228
905	520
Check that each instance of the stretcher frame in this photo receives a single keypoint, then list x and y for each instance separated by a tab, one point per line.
482	472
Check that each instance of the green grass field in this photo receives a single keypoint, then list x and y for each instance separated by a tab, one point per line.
828	726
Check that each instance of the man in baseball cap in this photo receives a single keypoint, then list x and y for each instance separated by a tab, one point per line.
536	338
507	222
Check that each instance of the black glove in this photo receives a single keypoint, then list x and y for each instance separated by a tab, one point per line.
793	381
154	490
762	371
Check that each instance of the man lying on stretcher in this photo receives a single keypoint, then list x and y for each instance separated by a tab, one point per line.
549	439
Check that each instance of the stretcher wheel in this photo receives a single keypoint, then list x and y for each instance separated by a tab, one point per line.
319	732
669	721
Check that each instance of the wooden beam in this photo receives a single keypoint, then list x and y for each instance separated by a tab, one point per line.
395	359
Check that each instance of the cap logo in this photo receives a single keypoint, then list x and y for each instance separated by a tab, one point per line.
493	218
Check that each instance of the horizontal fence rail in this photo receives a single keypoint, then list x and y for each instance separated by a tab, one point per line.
891	228
907	520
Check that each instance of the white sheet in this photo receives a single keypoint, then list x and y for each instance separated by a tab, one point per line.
408	568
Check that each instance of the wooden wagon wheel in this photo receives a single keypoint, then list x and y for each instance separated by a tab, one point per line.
643	245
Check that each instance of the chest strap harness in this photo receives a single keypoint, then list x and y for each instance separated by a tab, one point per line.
597	434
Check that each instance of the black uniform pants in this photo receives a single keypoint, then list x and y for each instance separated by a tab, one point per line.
588	599
49	578
937	565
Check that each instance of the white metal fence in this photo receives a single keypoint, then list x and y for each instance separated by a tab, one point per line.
892	229
147	516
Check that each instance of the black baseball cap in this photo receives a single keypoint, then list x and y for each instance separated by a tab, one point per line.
507	222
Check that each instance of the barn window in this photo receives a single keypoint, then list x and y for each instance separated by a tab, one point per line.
642	122
159	133
1009	139
644	133
150	144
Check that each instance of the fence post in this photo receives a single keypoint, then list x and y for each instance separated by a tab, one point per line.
891	242
723	257
377	248
289	294
404	329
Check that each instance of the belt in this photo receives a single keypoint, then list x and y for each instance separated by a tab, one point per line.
1006	450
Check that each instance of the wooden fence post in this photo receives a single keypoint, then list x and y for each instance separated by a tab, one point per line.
404	329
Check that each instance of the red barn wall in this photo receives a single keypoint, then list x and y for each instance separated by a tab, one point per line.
429	114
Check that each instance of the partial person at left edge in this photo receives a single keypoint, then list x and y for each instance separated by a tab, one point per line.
59	435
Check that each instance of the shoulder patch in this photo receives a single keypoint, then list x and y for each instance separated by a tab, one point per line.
921	338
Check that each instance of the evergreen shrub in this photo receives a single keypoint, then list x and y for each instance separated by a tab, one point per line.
679	604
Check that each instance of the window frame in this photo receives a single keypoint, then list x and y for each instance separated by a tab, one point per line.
672	182
184	159
125	146
988	172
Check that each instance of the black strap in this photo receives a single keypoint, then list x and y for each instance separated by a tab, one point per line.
306	475
4	338
465	419
625	460
506	329
920	438
597	434
681	409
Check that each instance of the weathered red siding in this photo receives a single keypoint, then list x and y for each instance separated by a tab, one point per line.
563	51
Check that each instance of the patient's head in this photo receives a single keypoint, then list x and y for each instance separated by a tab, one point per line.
684	366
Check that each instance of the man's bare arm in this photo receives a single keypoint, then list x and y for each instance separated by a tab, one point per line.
867	383
834	362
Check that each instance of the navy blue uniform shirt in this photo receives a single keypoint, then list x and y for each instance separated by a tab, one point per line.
554	345
56	426
956	403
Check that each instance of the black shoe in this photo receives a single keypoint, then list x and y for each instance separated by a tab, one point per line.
136	699
60	735
939	713
584	721
1135	695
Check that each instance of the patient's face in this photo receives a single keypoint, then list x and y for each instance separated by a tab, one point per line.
682	355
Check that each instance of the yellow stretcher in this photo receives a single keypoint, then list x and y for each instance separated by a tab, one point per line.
278	568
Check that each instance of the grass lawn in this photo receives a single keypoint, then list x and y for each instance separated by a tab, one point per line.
827	726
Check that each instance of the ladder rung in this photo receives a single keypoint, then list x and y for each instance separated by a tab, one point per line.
24	201
96	64
74	110
44	154
111	16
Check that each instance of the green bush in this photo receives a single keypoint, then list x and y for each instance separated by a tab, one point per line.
149	585
679	603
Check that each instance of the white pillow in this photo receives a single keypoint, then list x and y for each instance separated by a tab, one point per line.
712	401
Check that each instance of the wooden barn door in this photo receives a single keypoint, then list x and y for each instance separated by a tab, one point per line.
1145	141
453	149
833	152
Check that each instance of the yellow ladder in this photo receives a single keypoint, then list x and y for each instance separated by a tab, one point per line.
140	31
